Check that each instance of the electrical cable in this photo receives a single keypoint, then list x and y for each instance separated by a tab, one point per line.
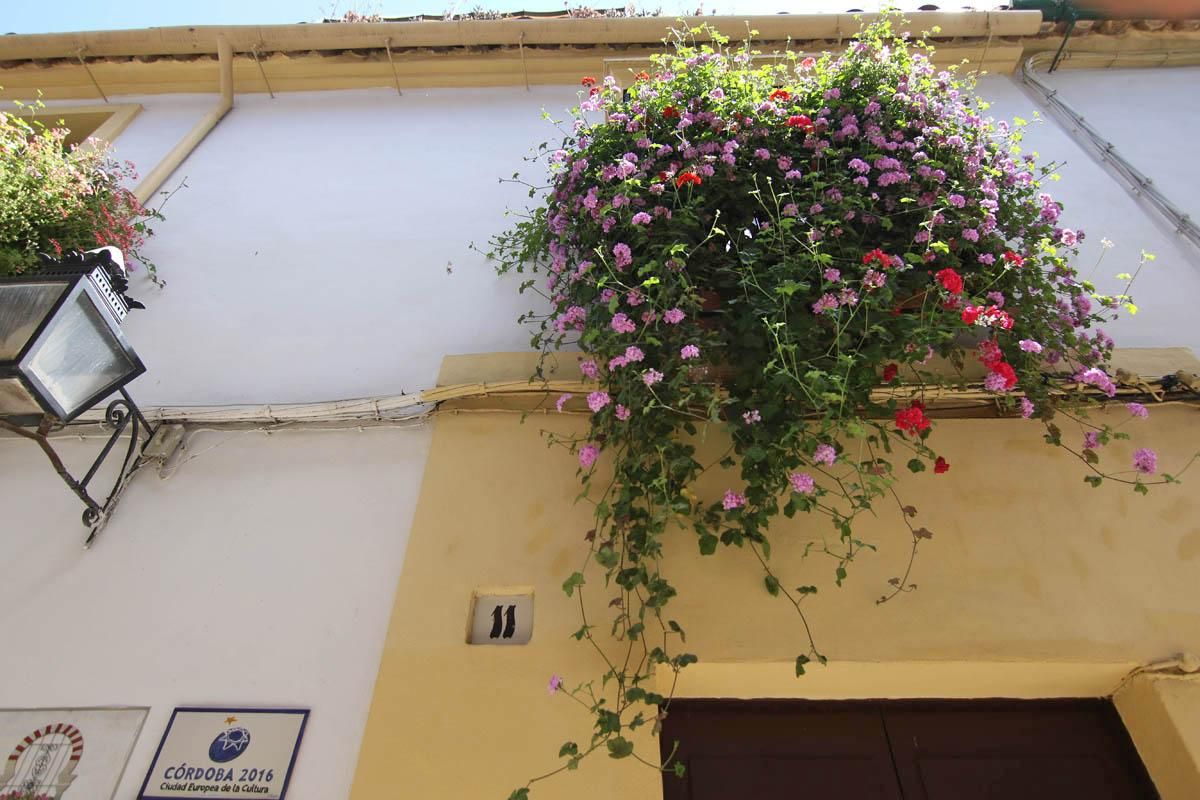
1140	184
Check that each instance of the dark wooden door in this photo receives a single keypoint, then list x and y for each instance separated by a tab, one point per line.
1032	751
779	750
938	750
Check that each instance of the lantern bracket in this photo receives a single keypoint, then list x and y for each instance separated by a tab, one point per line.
122	417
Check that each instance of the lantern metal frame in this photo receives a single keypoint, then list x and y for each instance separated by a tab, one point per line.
102	301
97	275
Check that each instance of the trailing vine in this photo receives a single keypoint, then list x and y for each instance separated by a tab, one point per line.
785	249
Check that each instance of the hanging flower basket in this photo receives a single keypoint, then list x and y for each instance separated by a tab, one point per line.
765	248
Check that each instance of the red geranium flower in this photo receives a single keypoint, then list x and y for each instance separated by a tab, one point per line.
990	353
588	81
670	112
912	419
808	63
802	122
999	317
781	94
1005	370
885	261
992	316
1013	258
686	178
941	465
950	280
889	373
642	76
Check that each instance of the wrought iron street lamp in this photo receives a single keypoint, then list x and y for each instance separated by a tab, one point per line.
61	353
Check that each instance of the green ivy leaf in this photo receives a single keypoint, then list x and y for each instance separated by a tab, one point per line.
568	749
1093	480
683	659
619	747
1141	488
607	557
916	465
679	769
800	662
607	722
570	583
754	454
772	585
789	509
519	794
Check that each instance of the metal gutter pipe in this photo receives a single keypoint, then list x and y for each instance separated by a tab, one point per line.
158	176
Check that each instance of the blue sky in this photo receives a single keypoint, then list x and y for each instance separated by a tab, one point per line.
47	16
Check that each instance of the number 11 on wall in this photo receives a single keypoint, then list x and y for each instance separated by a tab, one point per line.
505	618
501	619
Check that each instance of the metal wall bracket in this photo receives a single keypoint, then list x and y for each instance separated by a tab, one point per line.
123	418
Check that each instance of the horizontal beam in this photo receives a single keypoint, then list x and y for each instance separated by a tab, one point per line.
200	40
421	69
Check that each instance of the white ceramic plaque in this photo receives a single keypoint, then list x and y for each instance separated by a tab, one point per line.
66	753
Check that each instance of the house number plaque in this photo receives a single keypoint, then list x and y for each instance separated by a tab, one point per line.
501	618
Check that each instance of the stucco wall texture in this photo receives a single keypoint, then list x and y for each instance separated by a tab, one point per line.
321	250
1028	566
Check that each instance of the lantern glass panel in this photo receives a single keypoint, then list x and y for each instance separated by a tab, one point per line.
22	308
78	355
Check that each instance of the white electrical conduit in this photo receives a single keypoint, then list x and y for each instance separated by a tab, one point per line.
1139	183
383	408
406	407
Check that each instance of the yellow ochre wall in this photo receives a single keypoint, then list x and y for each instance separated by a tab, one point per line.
1034	585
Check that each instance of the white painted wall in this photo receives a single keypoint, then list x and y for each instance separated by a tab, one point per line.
1149	114
260	574
307	260
1141	113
